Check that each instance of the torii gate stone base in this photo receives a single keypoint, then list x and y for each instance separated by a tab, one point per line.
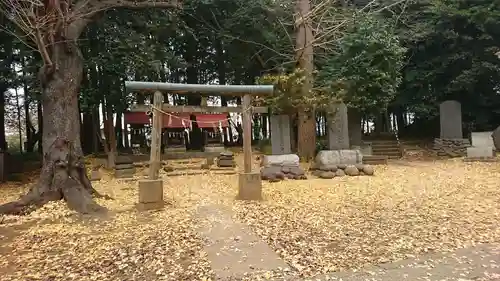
249	184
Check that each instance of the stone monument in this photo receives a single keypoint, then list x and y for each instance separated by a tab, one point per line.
338	133
451	142
280	134
482	148
450	117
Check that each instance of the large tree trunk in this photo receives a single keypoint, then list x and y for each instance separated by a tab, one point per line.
63	174
306	143
3	142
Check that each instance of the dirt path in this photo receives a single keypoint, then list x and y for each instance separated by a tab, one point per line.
233	250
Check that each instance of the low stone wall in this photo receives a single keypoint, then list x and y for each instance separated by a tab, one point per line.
451	147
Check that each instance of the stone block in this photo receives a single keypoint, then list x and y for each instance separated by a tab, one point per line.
336	157
479	152
290	160
250	186
150	191
280	134
127	173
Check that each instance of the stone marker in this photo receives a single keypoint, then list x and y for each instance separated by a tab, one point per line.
150	194
482	147
482	139
338	128
450	115
280	134
95	175
336	157
290	160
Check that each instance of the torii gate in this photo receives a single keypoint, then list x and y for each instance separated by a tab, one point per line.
250	184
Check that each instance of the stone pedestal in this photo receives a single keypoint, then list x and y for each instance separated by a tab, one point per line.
250	186
124	168
150	194
451	147
480	154
226	159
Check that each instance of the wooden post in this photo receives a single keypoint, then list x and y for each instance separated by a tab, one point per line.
247	133
155	158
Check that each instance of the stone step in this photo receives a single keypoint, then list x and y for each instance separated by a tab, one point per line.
375	159
384	142
392	156
386	152
385	149
385	146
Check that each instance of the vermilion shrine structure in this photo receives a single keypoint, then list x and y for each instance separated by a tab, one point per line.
175	125
250	185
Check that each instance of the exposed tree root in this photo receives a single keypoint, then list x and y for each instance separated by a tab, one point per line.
63	176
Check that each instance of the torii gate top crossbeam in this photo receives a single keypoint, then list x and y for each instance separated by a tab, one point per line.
235	90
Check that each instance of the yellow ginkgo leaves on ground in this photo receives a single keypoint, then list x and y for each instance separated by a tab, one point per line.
316	225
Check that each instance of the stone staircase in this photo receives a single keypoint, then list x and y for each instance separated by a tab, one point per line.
389	148
375	159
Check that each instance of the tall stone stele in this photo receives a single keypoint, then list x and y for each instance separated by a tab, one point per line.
450	116
280	134
338	128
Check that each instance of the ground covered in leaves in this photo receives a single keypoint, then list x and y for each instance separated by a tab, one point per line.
316	226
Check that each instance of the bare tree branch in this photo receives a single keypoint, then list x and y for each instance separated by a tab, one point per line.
88	8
